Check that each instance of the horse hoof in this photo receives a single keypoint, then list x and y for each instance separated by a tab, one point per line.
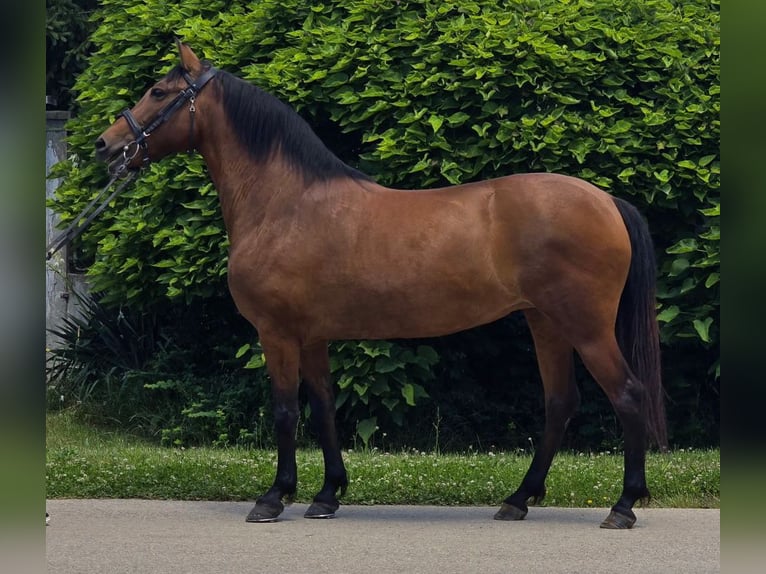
265	512
617	521
510	512
321	510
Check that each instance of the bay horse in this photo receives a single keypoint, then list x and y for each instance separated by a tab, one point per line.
320	252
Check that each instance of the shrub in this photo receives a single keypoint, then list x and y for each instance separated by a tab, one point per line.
67	27
424	93
168	373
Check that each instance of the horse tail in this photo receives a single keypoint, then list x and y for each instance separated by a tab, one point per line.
637	330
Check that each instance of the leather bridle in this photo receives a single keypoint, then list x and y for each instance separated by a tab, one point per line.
142	134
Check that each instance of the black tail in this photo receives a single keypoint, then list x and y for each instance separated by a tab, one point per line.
637	330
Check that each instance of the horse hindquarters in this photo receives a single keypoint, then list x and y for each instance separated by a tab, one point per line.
639	402
593	289
626	364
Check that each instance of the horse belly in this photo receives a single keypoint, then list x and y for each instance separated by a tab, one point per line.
410	306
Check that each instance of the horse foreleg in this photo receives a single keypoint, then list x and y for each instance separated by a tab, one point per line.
555	358
282	362
315	370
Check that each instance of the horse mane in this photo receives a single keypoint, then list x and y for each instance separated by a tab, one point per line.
265	125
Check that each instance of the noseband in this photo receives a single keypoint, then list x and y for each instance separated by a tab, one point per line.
142	134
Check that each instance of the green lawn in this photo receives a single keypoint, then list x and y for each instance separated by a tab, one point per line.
84	462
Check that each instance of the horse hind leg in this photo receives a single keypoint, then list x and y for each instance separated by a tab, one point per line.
602	357
555	357
315	371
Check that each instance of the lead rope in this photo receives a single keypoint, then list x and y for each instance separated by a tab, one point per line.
76	228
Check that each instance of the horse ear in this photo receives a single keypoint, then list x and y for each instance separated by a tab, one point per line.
189	60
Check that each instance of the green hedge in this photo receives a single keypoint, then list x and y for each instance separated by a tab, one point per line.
425	93
67	28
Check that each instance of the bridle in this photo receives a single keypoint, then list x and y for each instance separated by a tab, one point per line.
142	134
122	171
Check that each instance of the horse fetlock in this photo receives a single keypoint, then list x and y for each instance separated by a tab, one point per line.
288	498
634	494
342	485
538	497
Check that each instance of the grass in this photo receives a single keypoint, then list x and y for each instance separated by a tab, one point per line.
83	462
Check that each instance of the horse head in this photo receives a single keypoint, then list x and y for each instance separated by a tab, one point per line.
153	128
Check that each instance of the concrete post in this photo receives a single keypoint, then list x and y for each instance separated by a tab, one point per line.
56	291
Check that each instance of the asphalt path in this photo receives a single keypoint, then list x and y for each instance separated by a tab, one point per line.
157	537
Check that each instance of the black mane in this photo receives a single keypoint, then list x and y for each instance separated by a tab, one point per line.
264	125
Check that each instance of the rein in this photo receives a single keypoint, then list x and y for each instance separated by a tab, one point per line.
122	171
76	228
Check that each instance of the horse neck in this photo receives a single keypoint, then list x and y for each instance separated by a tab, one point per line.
247	189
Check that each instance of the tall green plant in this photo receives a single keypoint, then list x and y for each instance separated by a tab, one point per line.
421	93
166	373
378	381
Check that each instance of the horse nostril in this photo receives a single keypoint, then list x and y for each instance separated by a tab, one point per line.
100	144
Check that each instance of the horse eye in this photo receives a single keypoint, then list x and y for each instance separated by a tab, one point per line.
158	93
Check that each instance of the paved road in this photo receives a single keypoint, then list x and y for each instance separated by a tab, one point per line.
157	537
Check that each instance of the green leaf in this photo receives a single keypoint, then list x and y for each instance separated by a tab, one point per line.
625	174
256	361
703	328
713	234
678	266
428	353
366	428
408	392
387	364
686	245
668	314
242	350
456	119
436	122
564	99
376	348
390	403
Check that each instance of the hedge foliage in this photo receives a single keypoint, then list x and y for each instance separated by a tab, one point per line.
67	28
425	93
